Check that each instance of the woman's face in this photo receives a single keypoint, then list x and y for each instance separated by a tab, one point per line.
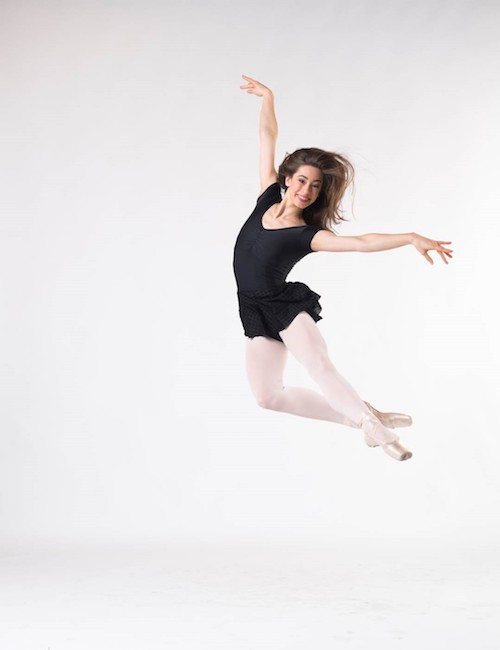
304	186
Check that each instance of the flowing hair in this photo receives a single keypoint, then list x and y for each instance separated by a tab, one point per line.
338	174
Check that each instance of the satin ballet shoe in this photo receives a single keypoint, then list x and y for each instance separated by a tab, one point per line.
376	435
393	449
391	420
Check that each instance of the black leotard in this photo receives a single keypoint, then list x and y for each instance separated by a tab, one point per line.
263	258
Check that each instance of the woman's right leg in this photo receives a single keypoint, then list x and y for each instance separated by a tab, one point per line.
265	363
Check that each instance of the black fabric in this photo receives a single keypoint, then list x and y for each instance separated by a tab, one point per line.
263	258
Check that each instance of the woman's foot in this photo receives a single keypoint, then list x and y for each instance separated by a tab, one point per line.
376	435
391	420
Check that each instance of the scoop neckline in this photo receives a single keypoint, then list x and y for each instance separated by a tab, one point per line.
284	228
304	225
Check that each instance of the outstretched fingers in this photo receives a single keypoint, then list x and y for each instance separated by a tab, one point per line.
443	251
253	86
249	84
425	245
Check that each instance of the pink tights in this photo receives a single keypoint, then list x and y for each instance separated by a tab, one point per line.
265	362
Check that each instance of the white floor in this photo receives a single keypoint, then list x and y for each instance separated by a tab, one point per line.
249	595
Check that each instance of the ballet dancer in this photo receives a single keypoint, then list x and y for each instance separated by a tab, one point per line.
293	217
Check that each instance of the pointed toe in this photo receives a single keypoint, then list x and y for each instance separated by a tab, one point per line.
391	420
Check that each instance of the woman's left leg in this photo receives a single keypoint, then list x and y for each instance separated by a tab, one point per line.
304	340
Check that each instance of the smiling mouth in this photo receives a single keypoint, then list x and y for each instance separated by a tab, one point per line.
302	198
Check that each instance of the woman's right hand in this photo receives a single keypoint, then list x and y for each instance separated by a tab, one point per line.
254	87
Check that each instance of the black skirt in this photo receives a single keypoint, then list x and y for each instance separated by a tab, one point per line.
268	312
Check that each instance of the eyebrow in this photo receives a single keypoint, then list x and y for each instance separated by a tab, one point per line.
304	176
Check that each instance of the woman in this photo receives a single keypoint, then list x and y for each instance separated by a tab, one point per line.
280	316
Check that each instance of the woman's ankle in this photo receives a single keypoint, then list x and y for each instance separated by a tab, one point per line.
375	430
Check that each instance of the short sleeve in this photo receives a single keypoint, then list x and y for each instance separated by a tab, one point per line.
306	237
271	193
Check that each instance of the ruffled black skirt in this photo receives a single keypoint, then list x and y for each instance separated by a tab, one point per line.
268	312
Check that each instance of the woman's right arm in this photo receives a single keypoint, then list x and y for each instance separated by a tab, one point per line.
268	131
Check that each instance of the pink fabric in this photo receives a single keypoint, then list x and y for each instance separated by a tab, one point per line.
266	360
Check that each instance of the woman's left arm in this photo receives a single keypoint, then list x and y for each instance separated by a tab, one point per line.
325	240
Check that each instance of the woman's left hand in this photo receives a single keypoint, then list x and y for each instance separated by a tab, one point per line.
424	245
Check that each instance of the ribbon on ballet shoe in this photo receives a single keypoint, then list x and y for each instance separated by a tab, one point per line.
371	442
376	435
375	432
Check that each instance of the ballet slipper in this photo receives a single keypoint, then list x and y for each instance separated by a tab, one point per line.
391	420
376	435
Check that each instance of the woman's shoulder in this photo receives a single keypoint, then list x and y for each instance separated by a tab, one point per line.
273	190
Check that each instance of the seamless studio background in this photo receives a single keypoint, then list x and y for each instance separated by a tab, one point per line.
129	161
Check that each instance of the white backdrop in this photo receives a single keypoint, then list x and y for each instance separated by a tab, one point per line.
129	161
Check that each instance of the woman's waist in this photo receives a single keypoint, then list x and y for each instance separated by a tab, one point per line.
269	290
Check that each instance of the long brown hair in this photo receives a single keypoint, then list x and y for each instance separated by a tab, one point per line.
338	173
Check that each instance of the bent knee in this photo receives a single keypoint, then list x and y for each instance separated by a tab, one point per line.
267	399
